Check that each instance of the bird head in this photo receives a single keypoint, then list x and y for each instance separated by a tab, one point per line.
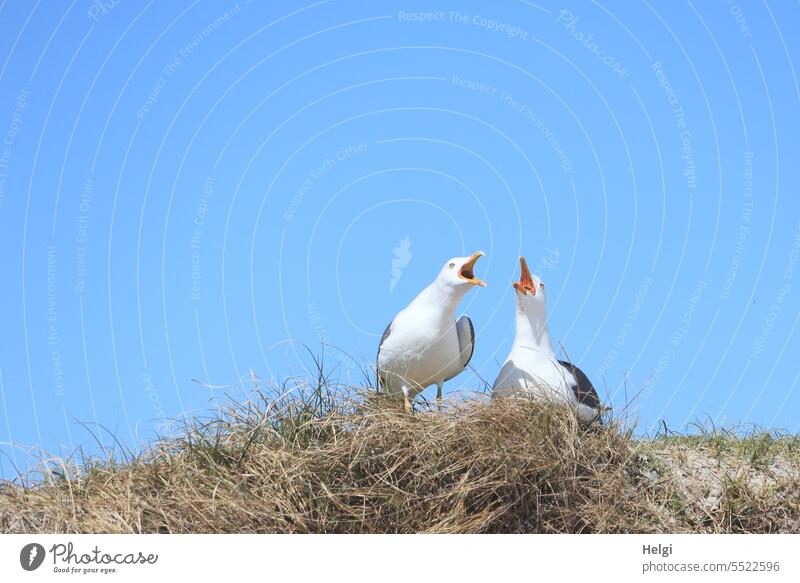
529	289
458	271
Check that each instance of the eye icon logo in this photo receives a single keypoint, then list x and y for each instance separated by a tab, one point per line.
31	556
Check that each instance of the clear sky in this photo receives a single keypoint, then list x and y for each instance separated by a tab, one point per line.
196	190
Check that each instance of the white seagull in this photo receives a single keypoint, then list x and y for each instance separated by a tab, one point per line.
532	369
424	345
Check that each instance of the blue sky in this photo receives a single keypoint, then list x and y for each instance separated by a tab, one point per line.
197	190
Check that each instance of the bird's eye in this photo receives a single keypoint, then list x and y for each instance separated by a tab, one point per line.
541	285
452	265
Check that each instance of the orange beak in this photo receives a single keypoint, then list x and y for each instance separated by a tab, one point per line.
525	283
467	273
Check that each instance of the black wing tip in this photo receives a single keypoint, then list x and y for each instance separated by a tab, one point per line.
584	389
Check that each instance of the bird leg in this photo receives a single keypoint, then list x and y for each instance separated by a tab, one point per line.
439	396
406	400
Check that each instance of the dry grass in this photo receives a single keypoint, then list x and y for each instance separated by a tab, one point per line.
334	461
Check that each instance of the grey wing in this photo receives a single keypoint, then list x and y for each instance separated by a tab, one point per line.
466	339
502	387
378	356
584	390
466	342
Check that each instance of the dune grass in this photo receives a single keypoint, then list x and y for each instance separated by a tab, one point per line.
332	459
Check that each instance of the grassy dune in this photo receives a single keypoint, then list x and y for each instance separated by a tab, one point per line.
333	460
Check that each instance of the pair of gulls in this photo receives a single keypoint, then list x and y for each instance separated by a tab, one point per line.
425	345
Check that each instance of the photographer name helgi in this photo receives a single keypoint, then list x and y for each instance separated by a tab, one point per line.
66	559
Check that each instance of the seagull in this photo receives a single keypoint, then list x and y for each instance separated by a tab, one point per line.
532	369
424	344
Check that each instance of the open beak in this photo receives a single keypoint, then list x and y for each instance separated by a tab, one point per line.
525	283
467	273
